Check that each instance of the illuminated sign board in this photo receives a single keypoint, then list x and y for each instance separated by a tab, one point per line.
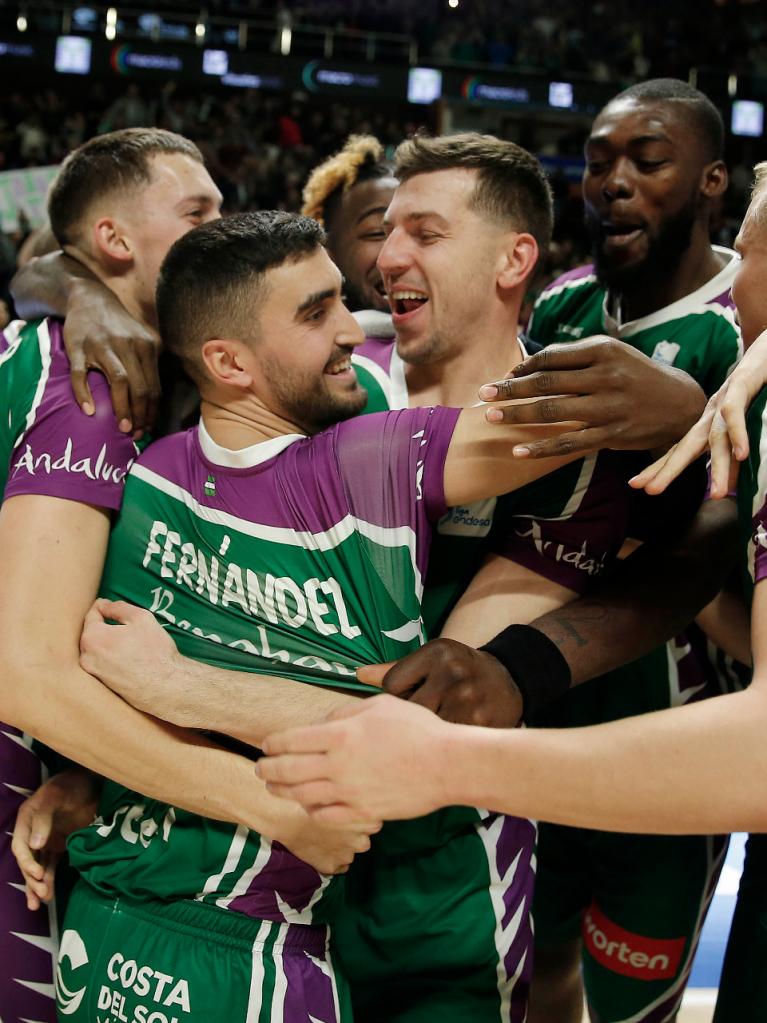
73	55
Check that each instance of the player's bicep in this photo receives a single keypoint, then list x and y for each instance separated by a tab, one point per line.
52	551
502	593
480	462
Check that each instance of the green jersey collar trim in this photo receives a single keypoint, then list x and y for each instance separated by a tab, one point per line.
695	302
244	458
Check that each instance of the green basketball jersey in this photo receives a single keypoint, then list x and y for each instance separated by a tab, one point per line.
698	333
300	557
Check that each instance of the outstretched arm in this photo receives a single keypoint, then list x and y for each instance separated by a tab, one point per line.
690	770
480	461
644	601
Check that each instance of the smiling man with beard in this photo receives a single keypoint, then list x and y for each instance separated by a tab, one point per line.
654	172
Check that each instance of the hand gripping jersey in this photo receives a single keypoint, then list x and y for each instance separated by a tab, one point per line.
654	891
50	448
298	556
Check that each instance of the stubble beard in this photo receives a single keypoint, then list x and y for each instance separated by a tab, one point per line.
664	251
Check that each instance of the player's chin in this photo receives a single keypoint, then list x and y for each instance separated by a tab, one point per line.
353	400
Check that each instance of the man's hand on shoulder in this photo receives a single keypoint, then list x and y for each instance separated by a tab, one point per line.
100	334
621	398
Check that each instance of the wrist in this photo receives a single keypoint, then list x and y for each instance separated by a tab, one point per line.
536	665
184	684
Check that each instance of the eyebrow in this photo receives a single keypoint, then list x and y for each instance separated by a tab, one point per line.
315	299
370	212
203	199
638	140
421	216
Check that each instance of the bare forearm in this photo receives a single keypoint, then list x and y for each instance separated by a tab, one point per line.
244	705
654	594
42	287
726	623
691	770
87	723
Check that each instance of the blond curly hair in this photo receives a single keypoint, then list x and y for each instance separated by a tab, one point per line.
362	157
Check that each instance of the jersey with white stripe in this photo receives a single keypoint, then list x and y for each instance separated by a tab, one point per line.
48	447
697	333
300	557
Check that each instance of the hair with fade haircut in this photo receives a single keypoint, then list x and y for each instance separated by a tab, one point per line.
511	184
361	159
116	162
211	282
697	107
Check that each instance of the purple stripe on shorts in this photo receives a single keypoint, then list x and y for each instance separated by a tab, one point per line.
26	968
284	876
515	844
309	988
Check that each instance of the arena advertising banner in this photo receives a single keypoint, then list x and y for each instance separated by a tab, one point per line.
24	193
148	60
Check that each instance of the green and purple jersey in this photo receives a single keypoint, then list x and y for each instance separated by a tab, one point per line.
301	557
697	334
48	448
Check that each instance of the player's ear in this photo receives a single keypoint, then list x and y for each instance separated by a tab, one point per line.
228	363
517	260
110	242
714	179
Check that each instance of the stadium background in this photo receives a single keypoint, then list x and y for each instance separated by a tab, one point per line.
268	90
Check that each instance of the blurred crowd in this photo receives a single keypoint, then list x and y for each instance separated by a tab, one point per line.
601	38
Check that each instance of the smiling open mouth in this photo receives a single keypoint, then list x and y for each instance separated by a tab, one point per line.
342	366
407	301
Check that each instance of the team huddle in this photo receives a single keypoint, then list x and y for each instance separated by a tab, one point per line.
419	495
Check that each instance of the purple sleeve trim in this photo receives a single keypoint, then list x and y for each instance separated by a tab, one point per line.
70	455
439	431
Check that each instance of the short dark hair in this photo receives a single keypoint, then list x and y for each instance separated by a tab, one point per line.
360	159
697	107
212	280
511	184
107	163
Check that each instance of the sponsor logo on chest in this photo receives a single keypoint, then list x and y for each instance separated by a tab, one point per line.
666	352
468	520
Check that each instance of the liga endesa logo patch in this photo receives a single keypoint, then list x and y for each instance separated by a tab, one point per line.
627	953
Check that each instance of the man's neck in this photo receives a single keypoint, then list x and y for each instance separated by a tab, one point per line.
695	268
123	287
242	422
455	381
